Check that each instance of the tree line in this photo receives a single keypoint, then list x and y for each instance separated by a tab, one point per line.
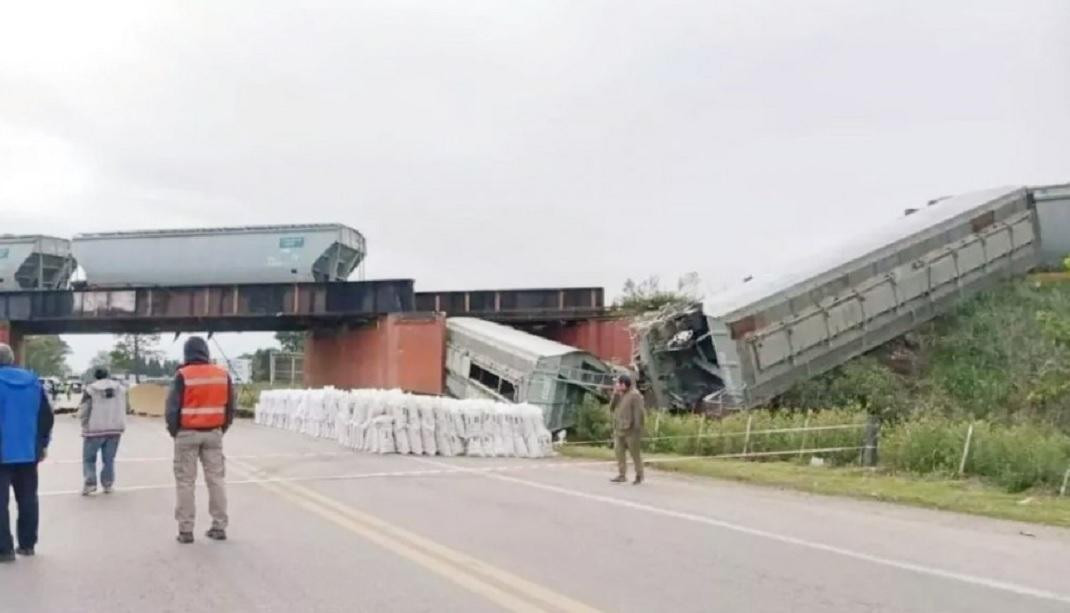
139	355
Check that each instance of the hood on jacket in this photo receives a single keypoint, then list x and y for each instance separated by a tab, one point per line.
195	351
17	377
106	387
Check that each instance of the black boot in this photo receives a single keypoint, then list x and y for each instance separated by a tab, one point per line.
217	534
185	538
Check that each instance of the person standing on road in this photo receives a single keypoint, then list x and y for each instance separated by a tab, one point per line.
628	417
103	415
25	431
200	409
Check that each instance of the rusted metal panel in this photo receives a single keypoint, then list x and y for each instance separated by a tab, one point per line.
983	221
547	304
609	340
743	327
93	304
403	351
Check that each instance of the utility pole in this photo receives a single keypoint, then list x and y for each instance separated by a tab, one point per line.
137	358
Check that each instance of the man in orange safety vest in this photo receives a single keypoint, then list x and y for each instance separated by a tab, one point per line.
200	409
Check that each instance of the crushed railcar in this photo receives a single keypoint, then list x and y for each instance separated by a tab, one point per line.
494	361
742	348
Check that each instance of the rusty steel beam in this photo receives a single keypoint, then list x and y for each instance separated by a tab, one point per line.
216	307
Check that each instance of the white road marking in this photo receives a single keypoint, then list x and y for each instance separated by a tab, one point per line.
268	456
447	470
976	580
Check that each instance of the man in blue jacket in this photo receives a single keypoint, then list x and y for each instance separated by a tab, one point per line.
25	431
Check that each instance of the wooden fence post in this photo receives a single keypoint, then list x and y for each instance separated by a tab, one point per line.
966	451
805	431
746	439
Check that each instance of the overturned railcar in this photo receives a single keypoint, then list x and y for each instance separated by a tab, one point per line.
1053	217
741	348
498	362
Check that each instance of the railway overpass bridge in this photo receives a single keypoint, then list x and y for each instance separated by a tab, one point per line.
364	333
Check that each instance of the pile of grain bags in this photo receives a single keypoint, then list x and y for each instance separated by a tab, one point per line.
391	421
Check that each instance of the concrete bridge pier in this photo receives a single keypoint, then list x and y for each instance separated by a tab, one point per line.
405	351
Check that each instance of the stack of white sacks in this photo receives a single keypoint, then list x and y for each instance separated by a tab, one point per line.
391	421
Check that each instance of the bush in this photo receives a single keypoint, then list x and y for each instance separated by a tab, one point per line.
925	444
1019	457
861	383
1002	356
593	422
688	434
1014	457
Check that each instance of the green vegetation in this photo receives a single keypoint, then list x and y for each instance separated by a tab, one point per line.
1015	457
137	354
1003	356
687	434
647	295
960	495
249	393
291	342
47	355
1000	364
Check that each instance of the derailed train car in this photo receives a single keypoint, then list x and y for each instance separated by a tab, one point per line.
498	362
742	348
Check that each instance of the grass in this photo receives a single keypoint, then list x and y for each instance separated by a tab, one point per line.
962	496
249	393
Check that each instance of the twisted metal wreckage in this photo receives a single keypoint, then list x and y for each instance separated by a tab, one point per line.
742	348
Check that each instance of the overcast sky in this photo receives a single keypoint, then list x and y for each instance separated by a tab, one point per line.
510	143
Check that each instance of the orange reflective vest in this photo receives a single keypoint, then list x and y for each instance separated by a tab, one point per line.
204	397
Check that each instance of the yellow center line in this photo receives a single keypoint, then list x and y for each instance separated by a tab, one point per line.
471	573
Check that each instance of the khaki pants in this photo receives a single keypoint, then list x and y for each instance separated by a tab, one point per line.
624	442
206	445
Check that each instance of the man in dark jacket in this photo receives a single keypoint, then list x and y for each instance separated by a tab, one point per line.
200	409
628	417
25	431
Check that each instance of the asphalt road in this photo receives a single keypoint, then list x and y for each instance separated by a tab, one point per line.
317	528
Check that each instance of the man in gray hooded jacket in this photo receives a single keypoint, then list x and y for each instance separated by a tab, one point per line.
103	415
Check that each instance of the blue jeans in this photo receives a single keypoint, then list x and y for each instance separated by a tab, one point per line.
107	446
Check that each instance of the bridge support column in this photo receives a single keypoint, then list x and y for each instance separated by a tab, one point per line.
403	351
10	335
